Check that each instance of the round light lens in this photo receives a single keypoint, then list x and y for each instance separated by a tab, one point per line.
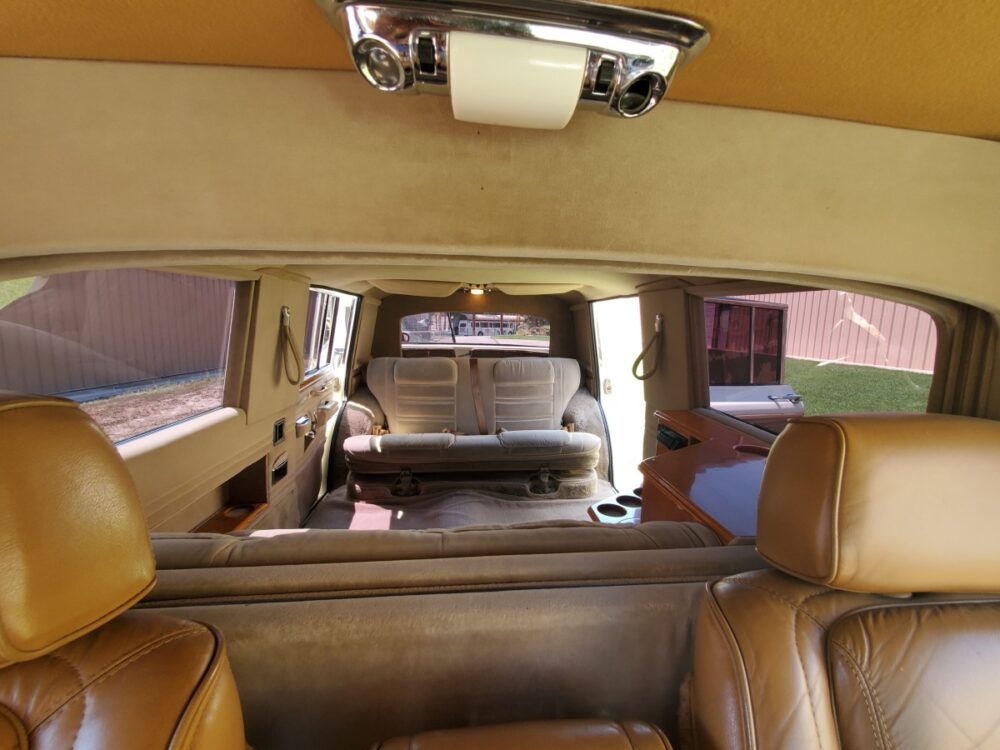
380	66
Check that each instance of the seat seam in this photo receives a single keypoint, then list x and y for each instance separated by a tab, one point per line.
736	661
871	699
802	668
209	679
117	667
792	604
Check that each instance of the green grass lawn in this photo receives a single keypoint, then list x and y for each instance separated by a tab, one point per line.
846	388
11	289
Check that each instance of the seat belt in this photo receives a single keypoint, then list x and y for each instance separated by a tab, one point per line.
477	395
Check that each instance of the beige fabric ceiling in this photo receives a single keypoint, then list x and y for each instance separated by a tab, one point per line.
182	165
922	64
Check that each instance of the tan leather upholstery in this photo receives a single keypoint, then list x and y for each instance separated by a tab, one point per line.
74	550
74	555
141	681
786	663
580	734
884	503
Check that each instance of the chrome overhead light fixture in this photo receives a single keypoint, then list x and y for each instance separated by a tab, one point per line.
477	290
518	62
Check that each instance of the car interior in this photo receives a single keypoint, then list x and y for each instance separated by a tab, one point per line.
499	374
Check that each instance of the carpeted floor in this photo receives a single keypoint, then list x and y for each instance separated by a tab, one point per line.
446	510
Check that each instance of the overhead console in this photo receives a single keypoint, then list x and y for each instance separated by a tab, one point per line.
518	63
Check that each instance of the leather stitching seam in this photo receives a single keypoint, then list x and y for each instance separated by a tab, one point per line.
802	668
739	668
121	664
868	694
793	604
201	697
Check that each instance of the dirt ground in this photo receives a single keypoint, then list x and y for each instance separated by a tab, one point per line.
130	414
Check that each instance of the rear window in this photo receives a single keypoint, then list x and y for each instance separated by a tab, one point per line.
774	356
466	330
138	349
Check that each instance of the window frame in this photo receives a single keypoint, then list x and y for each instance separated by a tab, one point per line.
310	377
751	335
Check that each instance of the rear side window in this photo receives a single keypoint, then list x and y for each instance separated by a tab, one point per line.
329	323
138	349
479	330
774	356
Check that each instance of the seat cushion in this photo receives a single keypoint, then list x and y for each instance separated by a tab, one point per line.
579	734
529	450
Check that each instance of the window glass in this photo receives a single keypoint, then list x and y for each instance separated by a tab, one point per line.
818	352
727	330
467	330
138	349
329	323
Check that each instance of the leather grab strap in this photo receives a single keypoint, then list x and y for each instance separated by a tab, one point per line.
477	396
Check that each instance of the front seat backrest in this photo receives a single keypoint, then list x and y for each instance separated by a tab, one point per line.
74	556
816	654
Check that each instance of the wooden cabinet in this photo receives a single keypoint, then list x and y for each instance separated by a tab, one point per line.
714	479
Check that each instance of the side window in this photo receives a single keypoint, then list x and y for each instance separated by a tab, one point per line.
775	356
329	324
138	349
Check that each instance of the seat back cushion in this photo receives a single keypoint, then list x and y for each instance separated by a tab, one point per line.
141	680
417	395
917	676
527	393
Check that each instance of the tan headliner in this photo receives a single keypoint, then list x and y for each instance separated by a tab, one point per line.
918	64
184	165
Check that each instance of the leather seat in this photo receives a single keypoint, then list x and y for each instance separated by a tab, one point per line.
77	669
578	734
881	626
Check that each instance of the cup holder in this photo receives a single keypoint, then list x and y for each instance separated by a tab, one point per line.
612	509
629	501
237	511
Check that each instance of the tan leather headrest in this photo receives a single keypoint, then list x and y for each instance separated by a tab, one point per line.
885	503
74	549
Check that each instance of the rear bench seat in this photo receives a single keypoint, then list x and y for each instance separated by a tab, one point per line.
447	415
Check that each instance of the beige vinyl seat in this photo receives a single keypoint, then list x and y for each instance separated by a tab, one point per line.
77	669
881	626
449	415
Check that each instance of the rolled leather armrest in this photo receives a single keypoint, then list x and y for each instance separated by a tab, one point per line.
574	734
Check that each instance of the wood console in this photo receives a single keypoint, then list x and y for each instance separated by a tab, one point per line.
714	479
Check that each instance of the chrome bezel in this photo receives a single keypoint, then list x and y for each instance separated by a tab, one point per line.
641	42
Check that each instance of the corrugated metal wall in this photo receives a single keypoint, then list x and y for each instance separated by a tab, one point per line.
90	329
856	329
